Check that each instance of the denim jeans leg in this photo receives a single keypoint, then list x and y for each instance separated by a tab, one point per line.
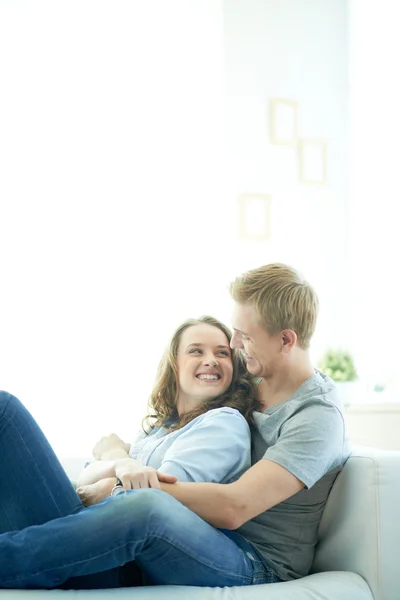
185	550
170	544
34	486
49	537
262	573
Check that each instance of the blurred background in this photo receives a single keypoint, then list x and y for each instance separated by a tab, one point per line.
152	151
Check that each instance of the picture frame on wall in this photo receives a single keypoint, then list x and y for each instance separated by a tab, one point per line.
254	216
312	161
283	121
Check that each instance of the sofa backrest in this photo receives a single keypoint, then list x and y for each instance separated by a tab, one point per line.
360	527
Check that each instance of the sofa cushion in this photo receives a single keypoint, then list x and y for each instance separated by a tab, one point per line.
321	586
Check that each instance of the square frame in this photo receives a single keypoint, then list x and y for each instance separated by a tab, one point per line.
255	216
312	161
283	121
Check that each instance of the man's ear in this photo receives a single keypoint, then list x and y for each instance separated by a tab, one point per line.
289	339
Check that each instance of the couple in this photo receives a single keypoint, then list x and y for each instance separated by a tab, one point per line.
183	507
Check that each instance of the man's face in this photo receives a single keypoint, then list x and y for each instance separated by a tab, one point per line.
261	350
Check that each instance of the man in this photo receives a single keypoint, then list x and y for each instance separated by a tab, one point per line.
270	516
299	445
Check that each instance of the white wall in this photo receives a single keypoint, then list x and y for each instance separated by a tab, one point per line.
110	149
375	425
118	193
375	190
294	49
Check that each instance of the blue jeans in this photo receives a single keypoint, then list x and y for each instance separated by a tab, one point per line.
48	539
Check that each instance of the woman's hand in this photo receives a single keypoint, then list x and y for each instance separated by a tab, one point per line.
95	492
109	447
134	477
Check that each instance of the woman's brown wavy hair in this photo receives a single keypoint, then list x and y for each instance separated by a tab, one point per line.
241	393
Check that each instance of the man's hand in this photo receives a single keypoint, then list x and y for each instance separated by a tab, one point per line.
109	447
134	478
95	492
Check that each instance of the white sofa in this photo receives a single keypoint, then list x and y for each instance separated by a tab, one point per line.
356	557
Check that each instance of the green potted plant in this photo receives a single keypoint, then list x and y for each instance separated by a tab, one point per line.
339	365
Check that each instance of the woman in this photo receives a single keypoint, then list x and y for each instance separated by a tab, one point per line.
196	433
195	430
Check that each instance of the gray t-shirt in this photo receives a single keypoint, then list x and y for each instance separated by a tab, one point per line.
305	434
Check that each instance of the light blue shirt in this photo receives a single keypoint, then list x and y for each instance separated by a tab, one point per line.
214	446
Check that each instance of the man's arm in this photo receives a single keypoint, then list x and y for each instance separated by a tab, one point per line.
308	445
229	506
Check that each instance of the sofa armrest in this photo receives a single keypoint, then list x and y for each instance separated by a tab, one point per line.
360	527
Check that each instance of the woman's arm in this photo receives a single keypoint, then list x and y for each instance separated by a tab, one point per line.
131	476
110	447
101	469
113	461
107	452
215	448
96	492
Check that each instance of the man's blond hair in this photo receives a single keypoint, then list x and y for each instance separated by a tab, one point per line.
282	298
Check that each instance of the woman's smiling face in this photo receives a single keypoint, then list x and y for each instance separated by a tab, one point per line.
204	363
